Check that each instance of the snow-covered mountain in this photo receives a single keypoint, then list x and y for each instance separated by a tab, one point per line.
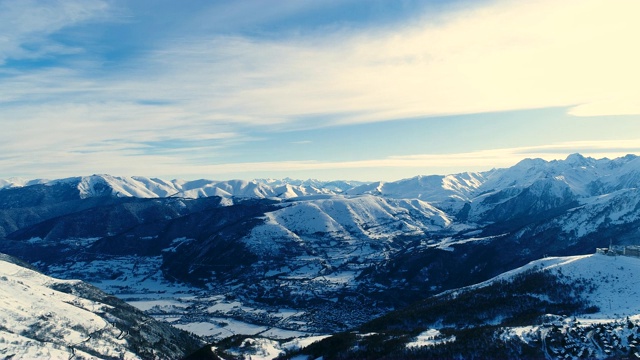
309	257
43	317
345	219
143	187
582	176
18	182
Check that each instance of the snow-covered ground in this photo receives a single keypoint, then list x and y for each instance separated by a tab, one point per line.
268	349
615	281
38	321
430	337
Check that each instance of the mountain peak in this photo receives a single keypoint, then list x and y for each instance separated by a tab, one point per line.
531	163
578	159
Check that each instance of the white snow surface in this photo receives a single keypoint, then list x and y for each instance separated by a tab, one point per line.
430	337
267	349
356	221
430	188
19	182
39	322
617	207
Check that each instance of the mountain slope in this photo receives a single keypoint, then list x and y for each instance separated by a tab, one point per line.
569	307
44	317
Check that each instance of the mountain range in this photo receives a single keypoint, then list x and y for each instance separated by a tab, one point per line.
282	259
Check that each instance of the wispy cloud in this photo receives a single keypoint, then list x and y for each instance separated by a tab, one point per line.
510	55
203	91
26	25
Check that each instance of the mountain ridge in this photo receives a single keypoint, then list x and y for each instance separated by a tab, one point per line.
583	175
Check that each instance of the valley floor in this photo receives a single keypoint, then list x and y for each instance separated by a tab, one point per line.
207	313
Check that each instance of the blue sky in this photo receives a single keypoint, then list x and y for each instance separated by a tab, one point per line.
333	89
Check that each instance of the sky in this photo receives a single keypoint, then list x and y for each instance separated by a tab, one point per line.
333	89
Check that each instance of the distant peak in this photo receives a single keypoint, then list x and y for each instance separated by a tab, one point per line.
531	162
580	160
576	158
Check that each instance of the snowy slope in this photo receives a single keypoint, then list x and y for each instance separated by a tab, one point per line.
18	182
614	281
585	176
345	219
43	317
435	188
613	209
38	321
612	285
